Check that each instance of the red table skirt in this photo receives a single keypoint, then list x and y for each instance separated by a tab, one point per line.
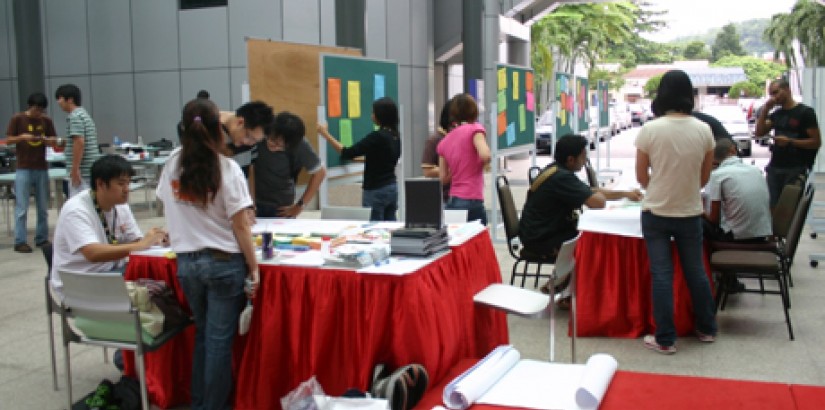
642	391
336	325
613	288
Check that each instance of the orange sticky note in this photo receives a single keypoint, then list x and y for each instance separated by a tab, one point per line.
333	97
502	123
528	81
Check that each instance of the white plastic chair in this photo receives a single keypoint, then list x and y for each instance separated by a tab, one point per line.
102	314
531	304
351	213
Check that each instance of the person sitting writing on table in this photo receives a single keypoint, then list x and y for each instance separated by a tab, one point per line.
739	208
551	212
96	230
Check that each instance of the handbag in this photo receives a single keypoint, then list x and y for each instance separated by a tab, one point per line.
159	308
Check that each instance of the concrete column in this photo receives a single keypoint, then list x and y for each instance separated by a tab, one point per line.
29	44
472	36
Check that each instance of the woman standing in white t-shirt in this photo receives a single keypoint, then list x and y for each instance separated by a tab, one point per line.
674	156
205	197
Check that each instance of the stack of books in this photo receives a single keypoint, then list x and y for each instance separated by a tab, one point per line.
419	241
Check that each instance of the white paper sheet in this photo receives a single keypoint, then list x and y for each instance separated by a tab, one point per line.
618	221
399	265
549	386
504	380
462	392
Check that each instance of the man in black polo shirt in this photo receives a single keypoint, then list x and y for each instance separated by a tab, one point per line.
555	198
796	137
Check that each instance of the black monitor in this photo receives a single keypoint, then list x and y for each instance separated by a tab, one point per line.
423	201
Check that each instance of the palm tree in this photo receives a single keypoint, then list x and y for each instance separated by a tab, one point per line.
806	25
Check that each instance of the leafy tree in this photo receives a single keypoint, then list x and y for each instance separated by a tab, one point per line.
727	43
652	85
577	32
805	24
696	50
746	89
615	80
757	70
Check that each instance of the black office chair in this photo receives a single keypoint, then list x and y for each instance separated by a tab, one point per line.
511	221
533	173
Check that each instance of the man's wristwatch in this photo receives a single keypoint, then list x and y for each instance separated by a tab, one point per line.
300	202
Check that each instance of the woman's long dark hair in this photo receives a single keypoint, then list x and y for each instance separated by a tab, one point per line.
202	141
675	93
386	114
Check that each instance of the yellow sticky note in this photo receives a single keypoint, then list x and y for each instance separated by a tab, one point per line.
345	131
515	85
353	99
502	78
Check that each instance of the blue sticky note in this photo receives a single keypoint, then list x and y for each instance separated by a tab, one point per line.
379	86
511	133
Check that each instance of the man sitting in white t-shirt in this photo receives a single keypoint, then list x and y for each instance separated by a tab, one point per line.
96	230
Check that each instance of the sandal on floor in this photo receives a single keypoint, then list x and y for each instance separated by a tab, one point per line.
404	388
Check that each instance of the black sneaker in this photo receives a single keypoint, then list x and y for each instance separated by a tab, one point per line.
44	243
23	248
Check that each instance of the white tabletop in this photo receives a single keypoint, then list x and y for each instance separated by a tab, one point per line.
618	218
396	265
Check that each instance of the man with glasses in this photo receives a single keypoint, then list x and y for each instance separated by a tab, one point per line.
31	131
796	137
245	128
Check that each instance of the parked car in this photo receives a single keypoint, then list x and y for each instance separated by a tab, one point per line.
637	113
623	115
597	131
735	122
545	127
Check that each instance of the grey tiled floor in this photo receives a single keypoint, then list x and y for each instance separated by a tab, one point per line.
752	344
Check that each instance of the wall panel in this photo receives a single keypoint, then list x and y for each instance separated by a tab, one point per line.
155	35
67	44
110	36
204	38
157	99
113	105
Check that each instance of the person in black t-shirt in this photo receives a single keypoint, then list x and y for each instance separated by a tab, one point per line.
381	150
796	137
551	212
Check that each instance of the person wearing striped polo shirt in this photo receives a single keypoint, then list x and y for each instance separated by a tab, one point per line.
81	145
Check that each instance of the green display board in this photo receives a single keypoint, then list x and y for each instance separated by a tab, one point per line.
516	105
581	101
564	105
349	85
604	115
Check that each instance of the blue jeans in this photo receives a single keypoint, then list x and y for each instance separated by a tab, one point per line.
214	289
475	208
777	178
383	201
687	233
25	181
